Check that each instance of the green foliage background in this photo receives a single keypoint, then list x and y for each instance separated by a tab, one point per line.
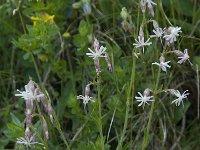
59	50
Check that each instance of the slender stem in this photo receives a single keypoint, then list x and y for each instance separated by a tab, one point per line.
100	115
197	71
146	132
36	69
41	120
131	86
57	124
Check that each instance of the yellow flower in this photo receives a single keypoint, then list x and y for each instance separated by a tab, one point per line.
43	17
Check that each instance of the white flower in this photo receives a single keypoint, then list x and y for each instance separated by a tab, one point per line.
144	99
31	93
171	33
158	33
97	53
27	143
183	56
140	42
85	99
180	96
163	65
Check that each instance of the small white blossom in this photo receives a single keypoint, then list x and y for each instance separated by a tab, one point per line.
27	142
97	53
179	96
85	99
158	32
30	93
163	65
145	98
171	33
140	42
183	56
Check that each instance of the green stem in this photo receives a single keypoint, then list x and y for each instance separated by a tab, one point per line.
100	115
37	70
131	86
146	132
57	124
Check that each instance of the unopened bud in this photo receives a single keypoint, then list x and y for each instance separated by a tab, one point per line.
125	25
87	90
147	92
107	59
143	5
96	44
141	33
124	14
45	127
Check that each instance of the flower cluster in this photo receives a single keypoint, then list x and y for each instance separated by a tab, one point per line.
168	36
33	93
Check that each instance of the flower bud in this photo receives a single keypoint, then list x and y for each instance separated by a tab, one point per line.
147	92
107	59
124	14
87	90
45	127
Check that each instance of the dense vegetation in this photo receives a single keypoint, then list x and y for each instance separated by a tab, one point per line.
44	45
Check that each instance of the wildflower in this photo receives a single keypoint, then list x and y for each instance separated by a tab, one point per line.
183	56
171	33
86	98
27	142
157	30
30	93
145	98
43	17
97	53
140	42
180	96
163	65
